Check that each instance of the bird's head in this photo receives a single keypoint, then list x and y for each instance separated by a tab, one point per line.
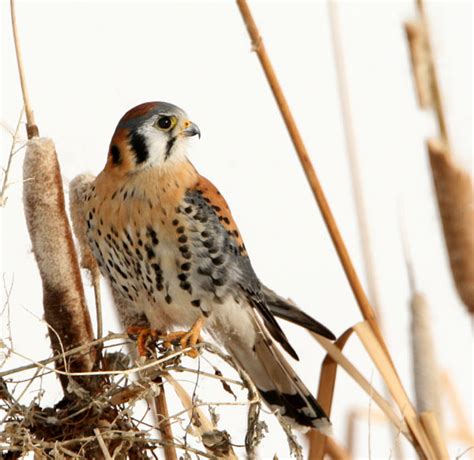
153	134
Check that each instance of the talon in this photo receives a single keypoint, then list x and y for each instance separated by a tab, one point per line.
143	335
186	338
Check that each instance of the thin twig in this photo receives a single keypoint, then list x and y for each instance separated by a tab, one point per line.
31	128
6	170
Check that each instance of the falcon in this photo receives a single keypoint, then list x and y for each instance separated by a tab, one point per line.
165	238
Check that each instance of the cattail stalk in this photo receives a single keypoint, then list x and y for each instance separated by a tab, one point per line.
31	128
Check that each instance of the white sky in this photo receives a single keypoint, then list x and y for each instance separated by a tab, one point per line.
89	62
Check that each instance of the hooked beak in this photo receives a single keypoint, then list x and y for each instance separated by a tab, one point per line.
191	129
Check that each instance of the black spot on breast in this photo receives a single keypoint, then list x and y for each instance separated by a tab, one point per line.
183	276
180	229
196	303
139	147
186	266
149	252
208	243
219	260
175	222
115	153
182	239
226	220
218	281
168	299
186	286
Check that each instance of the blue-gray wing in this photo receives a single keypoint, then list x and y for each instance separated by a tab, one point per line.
224	263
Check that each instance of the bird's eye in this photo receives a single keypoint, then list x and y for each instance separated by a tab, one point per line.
166	122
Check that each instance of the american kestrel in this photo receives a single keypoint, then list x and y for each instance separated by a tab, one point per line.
165	238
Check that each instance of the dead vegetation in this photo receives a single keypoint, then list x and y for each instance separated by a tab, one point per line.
103	383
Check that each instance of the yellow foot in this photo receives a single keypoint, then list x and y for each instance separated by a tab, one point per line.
186	339
143	335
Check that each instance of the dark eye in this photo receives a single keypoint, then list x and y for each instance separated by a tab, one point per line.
164	122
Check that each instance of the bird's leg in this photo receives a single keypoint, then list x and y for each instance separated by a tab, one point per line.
143	334
186	338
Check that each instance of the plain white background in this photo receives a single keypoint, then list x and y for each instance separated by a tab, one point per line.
89	62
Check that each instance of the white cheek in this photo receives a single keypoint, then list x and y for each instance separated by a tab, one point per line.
157	144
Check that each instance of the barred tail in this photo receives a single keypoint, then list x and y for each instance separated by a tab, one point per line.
277	382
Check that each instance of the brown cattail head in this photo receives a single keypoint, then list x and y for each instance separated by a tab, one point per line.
454	192
420	62
63	294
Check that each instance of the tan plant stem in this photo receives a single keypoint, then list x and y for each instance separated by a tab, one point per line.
257	44
164	426
31	128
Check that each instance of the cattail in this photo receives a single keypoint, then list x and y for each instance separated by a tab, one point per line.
454	192
425	368
63	294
